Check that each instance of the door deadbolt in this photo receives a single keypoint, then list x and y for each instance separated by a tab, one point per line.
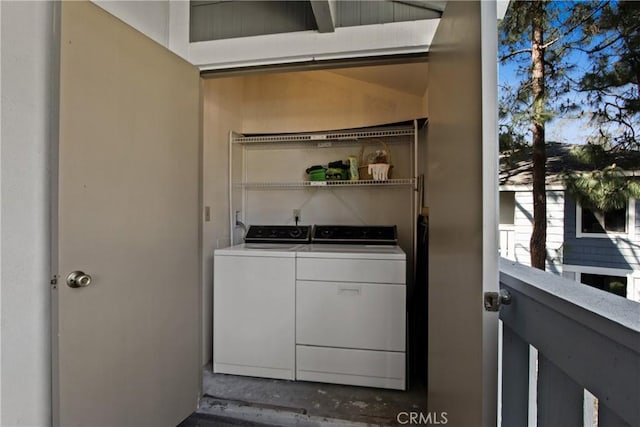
78	279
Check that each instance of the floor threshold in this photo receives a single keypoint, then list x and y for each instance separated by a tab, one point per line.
271	402
266	416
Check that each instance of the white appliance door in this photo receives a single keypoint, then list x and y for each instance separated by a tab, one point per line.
254	315
126	339
368	316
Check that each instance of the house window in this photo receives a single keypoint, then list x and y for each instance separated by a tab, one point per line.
507	207
622	282
615	222
613	284
507	224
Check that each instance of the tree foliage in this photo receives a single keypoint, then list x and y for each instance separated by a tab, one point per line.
603	34
612	84
562	26
541	30
606	36
611	39
606	187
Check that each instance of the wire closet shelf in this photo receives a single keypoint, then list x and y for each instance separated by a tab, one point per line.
328	184
337	136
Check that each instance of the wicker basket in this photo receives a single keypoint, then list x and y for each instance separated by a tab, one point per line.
363	168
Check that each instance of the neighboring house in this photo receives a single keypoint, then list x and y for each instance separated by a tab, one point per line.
595	248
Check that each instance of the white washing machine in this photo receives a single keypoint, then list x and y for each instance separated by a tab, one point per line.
351	308
331	311
254	304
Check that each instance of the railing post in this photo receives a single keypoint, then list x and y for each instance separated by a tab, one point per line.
608	418
560	398
515	379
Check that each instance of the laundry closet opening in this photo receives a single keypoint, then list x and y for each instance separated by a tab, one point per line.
338	114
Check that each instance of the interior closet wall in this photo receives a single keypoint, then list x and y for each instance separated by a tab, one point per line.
322	100
222	112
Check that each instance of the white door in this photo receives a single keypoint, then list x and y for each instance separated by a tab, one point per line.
462	191
125	347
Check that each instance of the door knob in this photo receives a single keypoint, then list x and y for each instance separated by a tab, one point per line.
78	279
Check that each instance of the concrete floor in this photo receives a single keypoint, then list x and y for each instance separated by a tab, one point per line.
300	403
208	420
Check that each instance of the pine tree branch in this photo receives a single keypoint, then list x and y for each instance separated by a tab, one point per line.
573	28
514	53
605	44
552	42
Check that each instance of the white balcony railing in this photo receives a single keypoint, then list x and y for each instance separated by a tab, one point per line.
585	338
507	241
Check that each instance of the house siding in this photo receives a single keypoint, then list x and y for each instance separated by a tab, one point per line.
616	252
523	226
